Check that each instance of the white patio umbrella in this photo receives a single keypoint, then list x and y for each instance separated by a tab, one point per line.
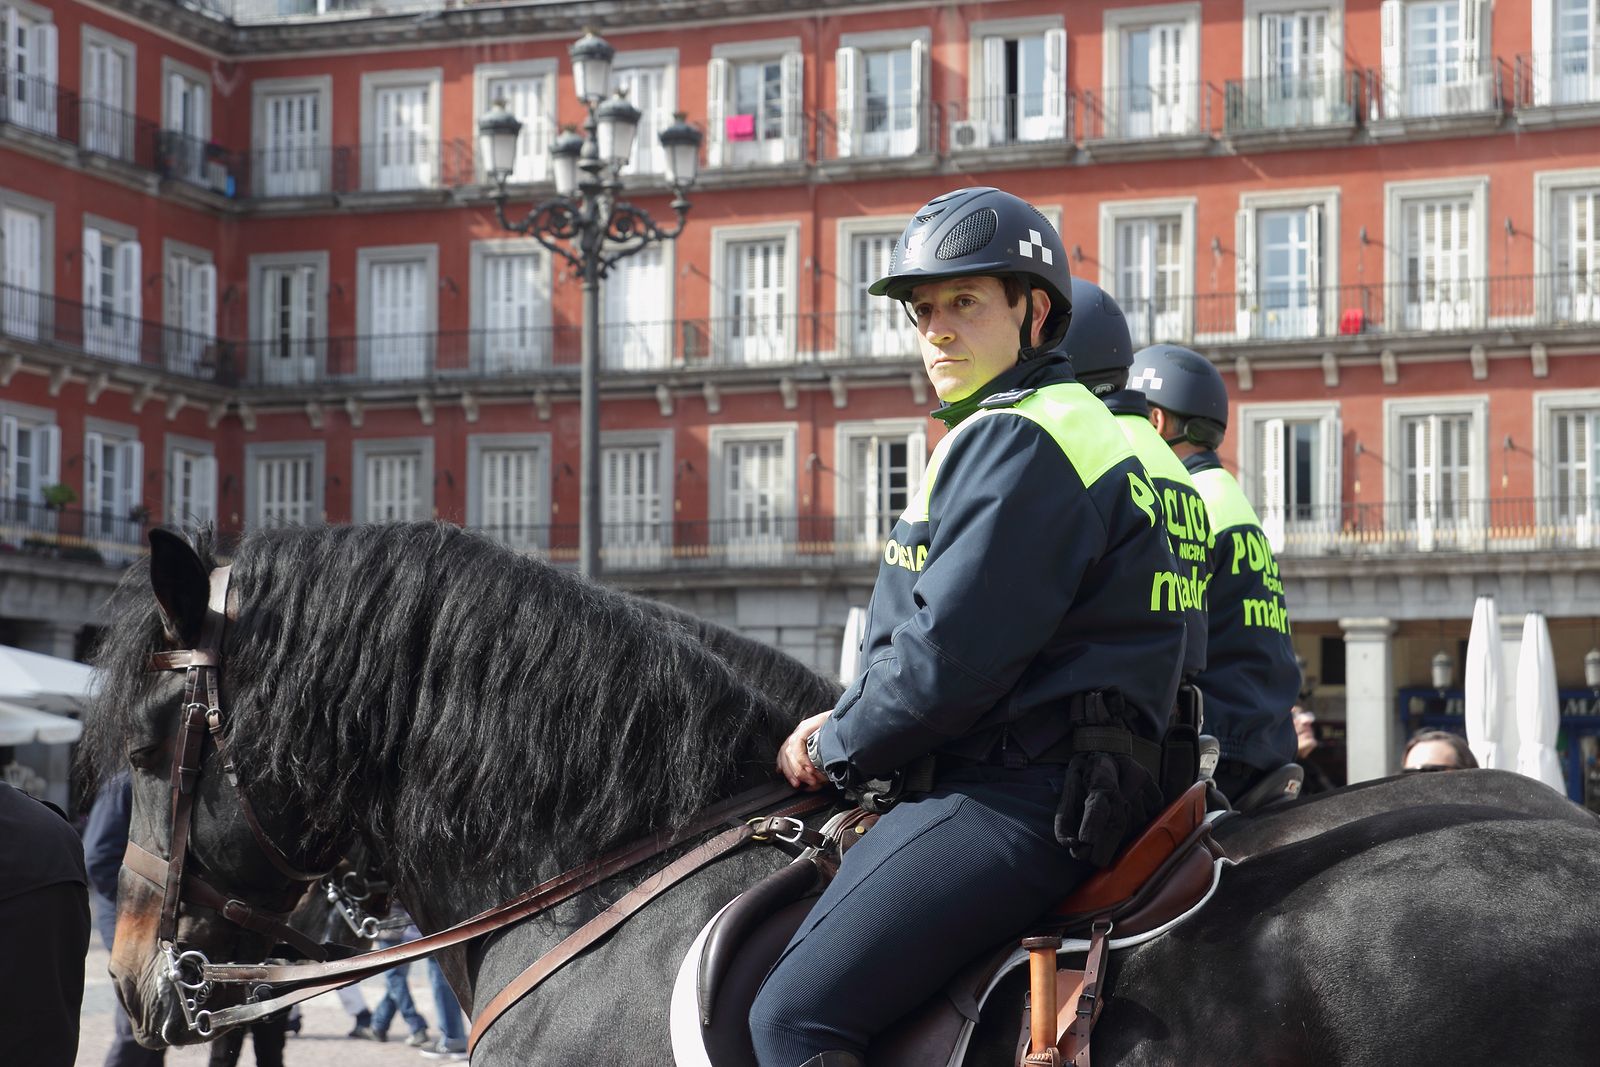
41	681
1538	713
855	629
24	726
1484	686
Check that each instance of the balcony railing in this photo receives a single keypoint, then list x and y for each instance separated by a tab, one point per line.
1146	112
35	104
876	131
1434	90
71	533
413	162
1011	119
1254	105
46	319
1447	525
1558	78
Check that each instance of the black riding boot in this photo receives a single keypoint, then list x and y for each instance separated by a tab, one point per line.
835	1059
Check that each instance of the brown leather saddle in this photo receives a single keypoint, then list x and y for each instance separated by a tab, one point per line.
1157	880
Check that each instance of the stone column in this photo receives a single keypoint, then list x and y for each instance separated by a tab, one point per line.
1372	742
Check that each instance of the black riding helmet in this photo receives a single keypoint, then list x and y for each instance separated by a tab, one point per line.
1098	341
1184	382
983	231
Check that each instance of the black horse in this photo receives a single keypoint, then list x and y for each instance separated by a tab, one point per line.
485	720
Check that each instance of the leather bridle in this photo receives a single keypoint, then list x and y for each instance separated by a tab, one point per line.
194	975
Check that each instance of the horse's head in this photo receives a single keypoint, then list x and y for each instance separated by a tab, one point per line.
216	855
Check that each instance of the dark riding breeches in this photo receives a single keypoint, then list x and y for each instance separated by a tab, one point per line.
939	881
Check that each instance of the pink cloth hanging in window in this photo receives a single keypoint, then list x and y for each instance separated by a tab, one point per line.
741	127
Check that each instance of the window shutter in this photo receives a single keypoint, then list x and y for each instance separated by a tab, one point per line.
1271	31
1544	51
1273	478
8	469
42	40
845	64
1314	243
1244	237
205	488
93	445
1426	475
1474	35
916	461
206	276
1055	83
920	81
130	286
1332	501
716	112
175	98
991	105
793	71
91	272
132	459
1391	16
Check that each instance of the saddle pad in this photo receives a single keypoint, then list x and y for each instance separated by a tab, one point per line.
935	1036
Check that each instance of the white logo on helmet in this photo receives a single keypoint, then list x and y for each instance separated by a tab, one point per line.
1034	242
1146	380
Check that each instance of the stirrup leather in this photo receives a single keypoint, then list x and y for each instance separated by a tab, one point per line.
1064	1004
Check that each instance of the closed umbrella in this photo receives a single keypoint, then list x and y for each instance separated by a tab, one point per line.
1538	713
1484	686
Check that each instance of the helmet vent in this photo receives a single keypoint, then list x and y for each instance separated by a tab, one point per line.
927	217
971	234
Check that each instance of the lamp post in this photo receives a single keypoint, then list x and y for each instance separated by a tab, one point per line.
589	226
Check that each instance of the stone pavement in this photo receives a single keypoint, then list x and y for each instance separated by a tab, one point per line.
320	1043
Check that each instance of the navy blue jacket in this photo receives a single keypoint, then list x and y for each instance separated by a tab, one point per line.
1251	680
1028	569
105	839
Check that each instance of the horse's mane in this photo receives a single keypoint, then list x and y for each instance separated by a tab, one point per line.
458	700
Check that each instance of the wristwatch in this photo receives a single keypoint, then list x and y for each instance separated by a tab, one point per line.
814	750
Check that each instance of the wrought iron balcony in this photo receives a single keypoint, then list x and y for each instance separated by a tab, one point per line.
1150	112
1014	119
876	131
72	534
100	333
1449	524
1561	78
1257	105
1434	91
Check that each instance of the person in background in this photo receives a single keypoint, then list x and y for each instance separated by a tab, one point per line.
266	1038
452	1042
44	931
397	994
105	839
1437	750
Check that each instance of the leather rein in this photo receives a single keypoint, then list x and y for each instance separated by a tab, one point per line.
271	987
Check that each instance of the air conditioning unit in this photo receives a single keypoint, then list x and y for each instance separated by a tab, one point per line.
966	134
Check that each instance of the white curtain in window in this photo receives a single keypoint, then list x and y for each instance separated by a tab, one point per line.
398	347
632	531
394	488
513	309
284	491
290	158
1438	287
757	329
512	511
405	150
754	495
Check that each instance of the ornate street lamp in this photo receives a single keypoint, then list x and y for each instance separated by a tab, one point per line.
590	227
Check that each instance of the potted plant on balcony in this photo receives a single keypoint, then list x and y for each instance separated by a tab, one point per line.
59	496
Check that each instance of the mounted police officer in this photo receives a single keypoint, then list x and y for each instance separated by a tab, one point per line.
1100	347
1012	610
1252	679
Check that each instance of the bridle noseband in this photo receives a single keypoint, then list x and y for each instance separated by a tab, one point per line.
202	714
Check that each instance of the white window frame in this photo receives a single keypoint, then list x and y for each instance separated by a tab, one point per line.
1247	266
1395	412
122	340
1549	86
484	353
1113	212
879	344
849	85
187	156
187	350
1585	532
94	36
1254	9
720	152
21	316
371	82
1546	186
366	259
537	443
1400	99
721	237
545	70
255	452
205	451
667	60
14	416
42	71
784	517
1396	196
850	524
256	303
363	449
982	126
99	520
1284	530
1117	23
322	146
642	553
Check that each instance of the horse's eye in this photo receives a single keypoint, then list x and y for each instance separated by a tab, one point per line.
144	758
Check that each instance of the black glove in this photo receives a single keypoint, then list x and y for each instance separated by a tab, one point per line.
1106	799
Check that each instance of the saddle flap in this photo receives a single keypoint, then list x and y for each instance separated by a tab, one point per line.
734	924
1109	889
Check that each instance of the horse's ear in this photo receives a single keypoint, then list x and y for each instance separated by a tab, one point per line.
181	585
